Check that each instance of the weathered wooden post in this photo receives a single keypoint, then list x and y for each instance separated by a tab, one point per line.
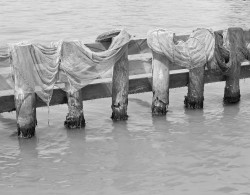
238	52
195	96
75	117
199	56
232	88
25	104
160	86
120	88
120	79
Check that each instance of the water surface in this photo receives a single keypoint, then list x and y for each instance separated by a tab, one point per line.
186	152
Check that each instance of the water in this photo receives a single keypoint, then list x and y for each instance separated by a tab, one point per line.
186	152
52	20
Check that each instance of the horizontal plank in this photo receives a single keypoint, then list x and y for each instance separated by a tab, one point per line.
137	84
138	64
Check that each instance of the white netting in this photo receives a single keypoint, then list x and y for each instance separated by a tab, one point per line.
81	65
195	52
226	43
248	46
38	67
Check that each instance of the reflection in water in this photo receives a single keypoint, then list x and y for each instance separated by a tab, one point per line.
185	152
125	154
147	155
229	118
27	148
76	135
161	124
140	102
28	168
231	111
195	119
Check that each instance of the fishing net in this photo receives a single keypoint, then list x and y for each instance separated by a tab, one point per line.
39	67
195	52
79	65
219	63
35	68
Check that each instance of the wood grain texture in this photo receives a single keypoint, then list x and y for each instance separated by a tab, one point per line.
195	96
238	54
75	117
25	104
160	89
120	88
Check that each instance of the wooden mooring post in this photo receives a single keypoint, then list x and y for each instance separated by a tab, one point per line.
238	53
160	88
75	117
195	96
120	88
25	104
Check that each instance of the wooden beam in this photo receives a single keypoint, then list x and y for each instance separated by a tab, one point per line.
138	64
137	84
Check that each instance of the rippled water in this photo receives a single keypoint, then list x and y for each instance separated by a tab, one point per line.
52	20
186	152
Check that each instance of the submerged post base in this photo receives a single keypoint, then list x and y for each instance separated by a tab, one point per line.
231	98
159	108
25	104
27	131
75	118
193	103
119	112
74	121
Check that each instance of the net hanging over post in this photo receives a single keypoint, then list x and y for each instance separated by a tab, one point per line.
234	41
195	52
192	54
37	68
72	63
79	65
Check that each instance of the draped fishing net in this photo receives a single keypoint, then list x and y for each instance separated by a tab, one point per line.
35	68
195	52
80	65
230	44
38	68
219	62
